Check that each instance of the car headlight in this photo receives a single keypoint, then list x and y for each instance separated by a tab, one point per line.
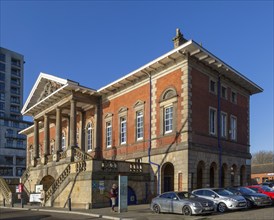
231	200
255	198
196	204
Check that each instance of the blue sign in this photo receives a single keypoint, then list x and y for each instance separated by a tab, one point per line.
122	194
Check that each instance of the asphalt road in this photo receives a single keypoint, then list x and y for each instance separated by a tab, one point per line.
12	214
143	213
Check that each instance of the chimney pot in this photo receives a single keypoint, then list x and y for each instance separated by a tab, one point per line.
179	39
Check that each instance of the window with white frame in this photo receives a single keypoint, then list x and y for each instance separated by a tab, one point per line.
139	125
168	119
213	86
89	136
224	92
168	109
233	97
233	128
108	134
212	121
223	125
123	130
63	141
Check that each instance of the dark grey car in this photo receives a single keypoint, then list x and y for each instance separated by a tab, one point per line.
252	198
182	203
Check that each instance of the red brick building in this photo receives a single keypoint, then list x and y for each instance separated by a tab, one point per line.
185	115
262	173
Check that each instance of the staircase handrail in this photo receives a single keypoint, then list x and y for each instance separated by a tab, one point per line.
52	189
80	155
25	175
6	190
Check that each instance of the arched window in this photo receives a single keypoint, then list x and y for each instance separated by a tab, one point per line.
168	109
63	141
89	136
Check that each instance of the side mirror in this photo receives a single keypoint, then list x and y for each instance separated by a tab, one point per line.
213	196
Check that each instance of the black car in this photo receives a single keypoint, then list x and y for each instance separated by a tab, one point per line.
252	198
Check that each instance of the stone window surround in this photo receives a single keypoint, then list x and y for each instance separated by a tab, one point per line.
223	96
122	113
231	99
165	102
215	121
92	136
224	136
139	107
215	87
230	130
108	119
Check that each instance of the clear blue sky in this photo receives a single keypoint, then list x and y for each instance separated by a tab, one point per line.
97	42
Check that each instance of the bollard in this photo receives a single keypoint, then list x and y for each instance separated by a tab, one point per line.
69	204
22	203
4	202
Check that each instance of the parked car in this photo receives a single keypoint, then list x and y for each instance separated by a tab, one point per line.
222	198
269	184
263	189
182	203
252	197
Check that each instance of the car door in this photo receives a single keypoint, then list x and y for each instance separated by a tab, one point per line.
163	202
210	195
175	204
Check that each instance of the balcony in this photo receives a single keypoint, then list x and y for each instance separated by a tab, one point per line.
15	62
15	82
15	146
16	73
15	136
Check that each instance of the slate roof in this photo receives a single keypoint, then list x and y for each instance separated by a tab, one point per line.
262	168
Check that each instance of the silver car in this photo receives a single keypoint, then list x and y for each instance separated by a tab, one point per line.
223	199
182	203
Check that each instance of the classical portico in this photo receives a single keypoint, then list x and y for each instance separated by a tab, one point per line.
57	101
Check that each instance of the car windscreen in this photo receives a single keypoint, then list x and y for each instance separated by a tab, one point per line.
222	192
267	189
245	190
185	195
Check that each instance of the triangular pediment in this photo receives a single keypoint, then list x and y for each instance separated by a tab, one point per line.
44	86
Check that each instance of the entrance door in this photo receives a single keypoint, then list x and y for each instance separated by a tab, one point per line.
47	181
200	170
168	177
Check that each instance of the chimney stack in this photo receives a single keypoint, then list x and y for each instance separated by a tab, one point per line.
179	39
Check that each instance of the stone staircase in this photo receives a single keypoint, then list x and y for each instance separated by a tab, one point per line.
5	192
24	178
78	165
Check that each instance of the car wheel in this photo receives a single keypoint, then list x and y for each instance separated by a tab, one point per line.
248	204
222	207
187	210
156	209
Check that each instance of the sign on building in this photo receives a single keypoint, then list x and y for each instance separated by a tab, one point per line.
38	188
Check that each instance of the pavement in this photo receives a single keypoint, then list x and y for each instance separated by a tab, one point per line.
134	211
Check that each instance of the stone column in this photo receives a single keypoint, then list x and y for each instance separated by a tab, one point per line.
36	139
72	127
46	138
82	131
97	130
58	133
